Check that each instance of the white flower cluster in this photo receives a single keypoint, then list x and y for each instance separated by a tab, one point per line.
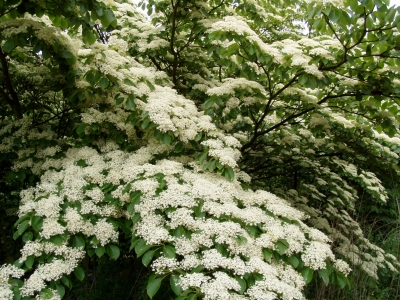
7	271
286	51
225	155
315	255
183	191
52	270
231	85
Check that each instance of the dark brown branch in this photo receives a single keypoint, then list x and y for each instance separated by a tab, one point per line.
6	98
283	122
173	31
266	111
155	63
14	101
329	155
323	100
346	49
214	8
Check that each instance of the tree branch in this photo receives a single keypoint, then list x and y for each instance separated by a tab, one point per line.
173	32
266	111
14	101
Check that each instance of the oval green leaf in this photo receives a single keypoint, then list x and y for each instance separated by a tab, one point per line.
153	286
176	288
112	251
79	273
147	257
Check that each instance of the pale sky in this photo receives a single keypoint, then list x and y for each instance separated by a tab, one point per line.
395	2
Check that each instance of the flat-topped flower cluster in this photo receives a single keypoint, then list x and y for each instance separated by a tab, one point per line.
206	209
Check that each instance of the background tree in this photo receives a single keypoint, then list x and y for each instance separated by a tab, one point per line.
233	146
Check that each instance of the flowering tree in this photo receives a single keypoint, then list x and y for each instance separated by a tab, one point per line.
227	144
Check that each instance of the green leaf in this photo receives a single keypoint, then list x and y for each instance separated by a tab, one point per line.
135	196
153	286
241	239
28	236
179	147
173	282
145	123
94	241
60	290
20	220
303	79
281	247
134	242
232	49
107	18
79	273
16	282
64	23
131	208
166	139
198	211
379	128
324	274
21	229
78	241
130	102
209	103
29	261
198	269
342	280
150	85
192	297
8	46
46	293
136	218
81	163
229	174
66	281
104	83
147	257
100	250
112	251
128	82
99	11
368	51
119	100
169	251
90	37
202	156
294	261
334	15
57	240
119	139
94	15
81	128
311	83
178	232
267	253
252	230
307	274
90	252
21	175
126	189
242	284
141	247
17	263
